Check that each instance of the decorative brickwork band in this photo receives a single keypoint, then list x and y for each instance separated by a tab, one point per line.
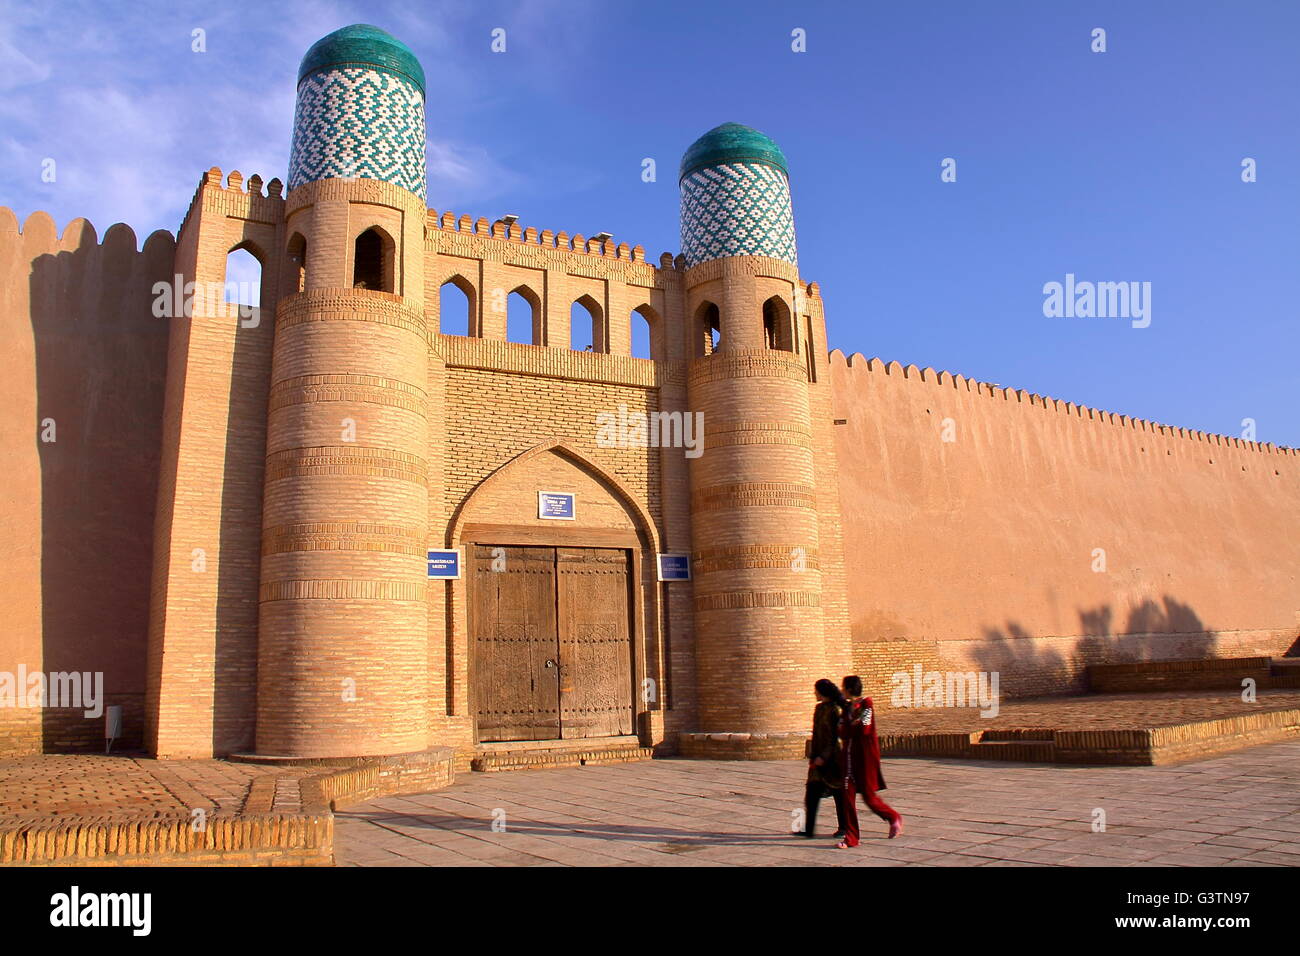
370	191
346	460
339	305
460	351
570	255
732	600
371	389
747	363
749	494
342	590
724	434
757	267
342	536
739	557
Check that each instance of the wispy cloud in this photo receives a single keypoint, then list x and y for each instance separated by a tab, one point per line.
132	116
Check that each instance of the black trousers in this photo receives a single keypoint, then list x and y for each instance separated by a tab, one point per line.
812	797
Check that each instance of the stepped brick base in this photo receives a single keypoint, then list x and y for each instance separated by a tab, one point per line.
1152	746
741	746
1218	673
547	754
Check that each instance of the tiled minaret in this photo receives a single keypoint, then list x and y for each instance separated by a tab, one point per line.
343	635
757	583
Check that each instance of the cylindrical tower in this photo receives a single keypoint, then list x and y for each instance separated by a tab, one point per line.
343	624
757	583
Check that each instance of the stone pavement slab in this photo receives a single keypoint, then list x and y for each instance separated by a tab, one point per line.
1237	809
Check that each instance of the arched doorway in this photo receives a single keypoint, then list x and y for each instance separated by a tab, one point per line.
556	609
551	633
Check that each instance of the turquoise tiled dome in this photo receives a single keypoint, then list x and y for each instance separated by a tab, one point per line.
731	143
360	112
735	191
363	45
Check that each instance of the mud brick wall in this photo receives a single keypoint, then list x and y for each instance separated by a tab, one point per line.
984	547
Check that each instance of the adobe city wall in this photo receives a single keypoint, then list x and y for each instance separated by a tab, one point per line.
84	362
976	552
991	529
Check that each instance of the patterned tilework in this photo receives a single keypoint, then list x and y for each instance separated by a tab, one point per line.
737	209
356	122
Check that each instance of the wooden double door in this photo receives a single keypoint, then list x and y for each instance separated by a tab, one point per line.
550	633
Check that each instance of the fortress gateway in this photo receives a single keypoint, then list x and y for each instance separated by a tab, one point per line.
233	520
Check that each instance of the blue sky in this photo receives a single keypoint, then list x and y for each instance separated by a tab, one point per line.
1115	166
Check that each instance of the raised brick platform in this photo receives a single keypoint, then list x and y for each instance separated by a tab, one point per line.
1215	673
545	754
1135	729
725	746
82	810
342	781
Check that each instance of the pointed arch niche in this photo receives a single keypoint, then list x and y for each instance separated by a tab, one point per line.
502	511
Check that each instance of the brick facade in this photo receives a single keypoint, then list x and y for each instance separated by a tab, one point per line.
265	487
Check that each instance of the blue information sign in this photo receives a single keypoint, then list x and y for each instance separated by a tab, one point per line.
556	505
445	565
675	567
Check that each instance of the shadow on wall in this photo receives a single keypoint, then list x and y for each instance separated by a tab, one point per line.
101	360
1031	666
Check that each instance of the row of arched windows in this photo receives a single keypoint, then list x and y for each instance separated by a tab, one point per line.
523	309
374	261
374	268
779	327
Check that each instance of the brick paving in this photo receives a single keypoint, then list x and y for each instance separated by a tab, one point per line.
1239	809
104	789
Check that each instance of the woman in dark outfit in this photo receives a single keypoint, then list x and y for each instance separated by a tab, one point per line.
825	773
862	773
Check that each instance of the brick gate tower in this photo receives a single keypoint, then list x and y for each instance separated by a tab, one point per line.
754	504
343	625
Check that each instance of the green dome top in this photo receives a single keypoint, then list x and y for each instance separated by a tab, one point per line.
732	143
363	45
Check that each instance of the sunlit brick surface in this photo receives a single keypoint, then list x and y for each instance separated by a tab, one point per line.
231	526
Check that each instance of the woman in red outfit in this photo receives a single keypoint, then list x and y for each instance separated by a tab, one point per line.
862	773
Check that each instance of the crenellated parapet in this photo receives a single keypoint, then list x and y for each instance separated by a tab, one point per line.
857	365
84	358
449	222
236	197
39	235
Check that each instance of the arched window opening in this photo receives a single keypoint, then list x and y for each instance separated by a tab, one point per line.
242	288
778	328
586	330
643	335
456	307
523	317
372	265
809	354
708	328
297	253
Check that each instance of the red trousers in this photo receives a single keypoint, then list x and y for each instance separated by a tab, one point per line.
877	806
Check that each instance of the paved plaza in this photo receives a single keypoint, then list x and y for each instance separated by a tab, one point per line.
1239	809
